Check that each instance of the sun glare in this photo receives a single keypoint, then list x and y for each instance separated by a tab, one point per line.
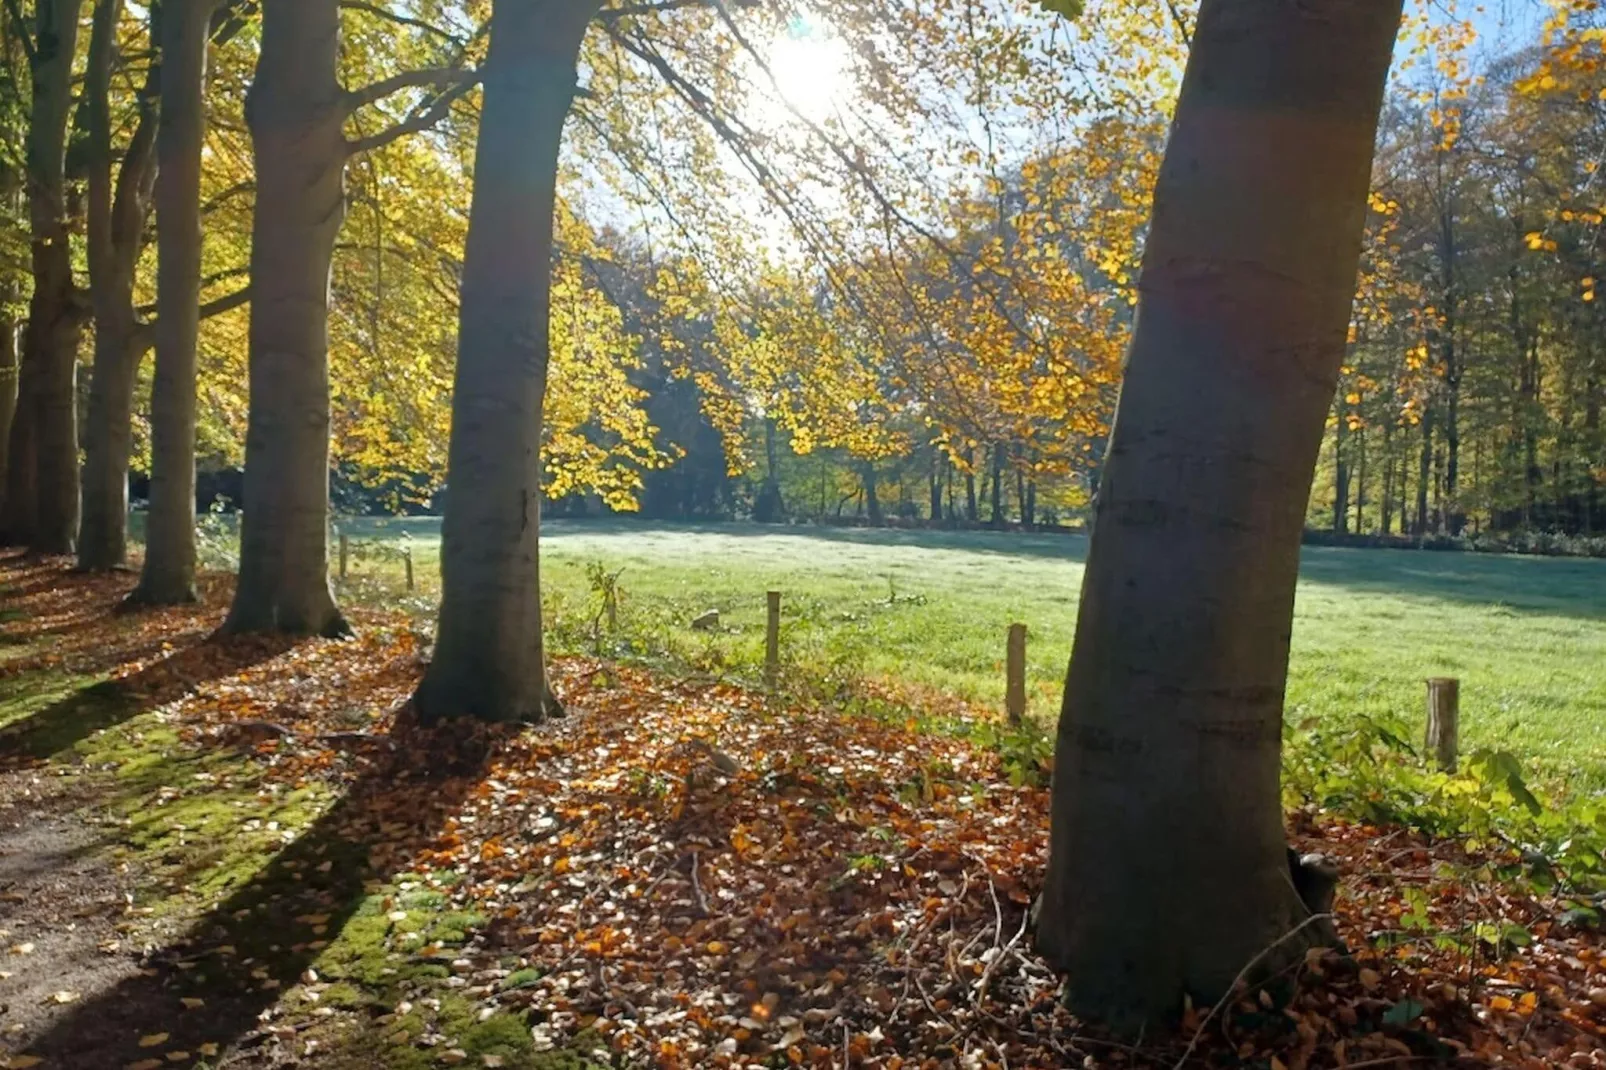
810	69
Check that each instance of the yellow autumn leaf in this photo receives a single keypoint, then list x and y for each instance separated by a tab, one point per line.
151	1040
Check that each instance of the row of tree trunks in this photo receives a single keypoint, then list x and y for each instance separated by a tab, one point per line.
296	111
41	495
1168	870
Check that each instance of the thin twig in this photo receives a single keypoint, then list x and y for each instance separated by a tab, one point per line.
1236	981
702	901
992	967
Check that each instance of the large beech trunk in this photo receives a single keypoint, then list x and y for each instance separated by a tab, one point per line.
41	500
295	112
117	215
1168	871
168	575
488	659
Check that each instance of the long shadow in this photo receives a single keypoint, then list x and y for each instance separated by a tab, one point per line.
240	956
1552	586
1572	587
90	709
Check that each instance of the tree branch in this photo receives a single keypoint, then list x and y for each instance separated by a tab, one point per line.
228	19
436	77
226	303
402	20
14	8
613	14
419	121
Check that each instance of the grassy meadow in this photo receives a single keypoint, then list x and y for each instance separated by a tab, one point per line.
1526	635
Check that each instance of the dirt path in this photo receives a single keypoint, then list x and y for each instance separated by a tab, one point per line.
64	908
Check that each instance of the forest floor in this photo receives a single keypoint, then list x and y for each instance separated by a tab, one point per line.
243	853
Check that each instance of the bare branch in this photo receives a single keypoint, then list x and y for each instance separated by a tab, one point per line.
229	18
613	14
433	77
402	20
226	303
419	121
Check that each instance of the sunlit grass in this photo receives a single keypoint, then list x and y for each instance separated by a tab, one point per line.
1526	635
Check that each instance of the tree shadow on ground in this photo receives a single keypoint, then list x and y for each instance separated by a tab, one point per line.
98	706
1550	586
213	985
1557	586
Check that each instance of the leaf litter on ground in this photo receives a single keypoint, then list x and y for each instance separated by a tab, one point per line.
687	874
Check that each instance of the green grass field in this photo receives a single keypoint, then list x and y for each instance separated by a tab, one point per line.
1526	635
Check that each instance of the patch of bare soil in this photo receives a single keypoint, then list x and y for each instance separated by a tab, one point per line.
63	910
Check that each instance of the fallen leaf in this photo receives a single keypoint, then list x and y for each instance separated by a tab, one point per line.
65	996
150	1040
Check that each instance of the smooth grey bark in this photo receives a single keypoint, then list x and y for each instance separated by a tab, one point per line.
168	574
41	500
295	113
1168	872
118	210
489	660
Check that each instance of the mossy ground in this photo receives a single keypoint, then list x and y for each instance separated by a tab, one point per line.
247	888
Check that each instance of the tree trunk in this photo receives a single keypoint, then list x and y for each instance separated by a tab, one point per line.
934	487
488	660
8	378
1340	477
42	479
872	499
1020	492
971	513
998	486
1419	527
1451	514
1360	481
1168	872
295	113
1388	480
1030	518
117	216
168	576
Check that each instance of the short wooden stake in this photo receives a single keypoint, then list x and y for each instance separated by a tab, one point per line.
345	552
1015	674
1444	716
407	559
772	640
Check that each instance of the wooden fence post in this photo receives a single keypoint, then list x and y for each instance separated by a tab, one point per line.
1444	715
772	640
345	550
407	559
1015	674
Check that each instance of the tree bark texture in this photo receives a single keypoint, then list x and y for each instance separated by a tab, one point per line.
168	575
41	501
295	112
488	660
1168	871
117	213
